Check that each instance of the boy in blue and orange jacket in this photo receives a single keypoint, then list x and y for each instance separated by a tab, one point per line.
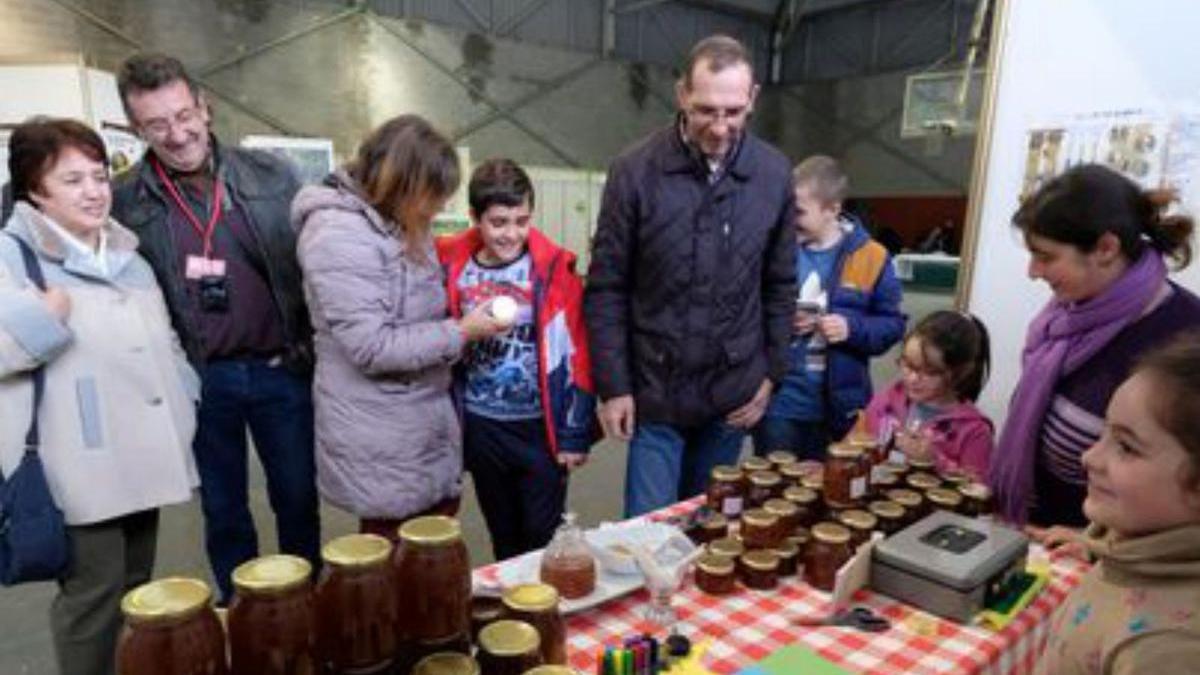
527	397
847	311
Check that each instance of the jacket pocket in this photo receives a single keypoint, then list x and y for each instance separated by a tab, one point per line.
91	427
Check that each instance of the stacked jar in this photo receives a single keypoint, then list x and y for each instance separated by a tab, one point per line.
433	588
272	623
170	629
357	617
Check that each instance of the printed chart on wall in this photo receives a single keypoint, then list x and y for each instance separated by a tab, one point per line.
1158	150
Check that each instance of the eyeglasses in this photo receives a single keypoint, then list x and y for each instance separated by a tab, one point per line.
906	366
711	114
160	128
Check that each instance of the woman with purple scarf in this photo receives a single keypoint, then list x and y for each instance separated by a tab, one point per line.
1099	241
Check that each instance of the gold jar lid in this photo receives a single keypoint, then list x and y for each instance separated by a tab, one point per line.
271	574
845	451
727	546
781	457
752	464
446	663
831	533
909	499
509	638
357	550
725	472
531	597
715	521
761	560
788	549
170	598
814	482
923	481
551	669
765	478
800	494
885	477
921	464
712	563
858	519
944	497
794	472
863	441
955	478
431	530
800	538
975	491
887	509
781	508
759	518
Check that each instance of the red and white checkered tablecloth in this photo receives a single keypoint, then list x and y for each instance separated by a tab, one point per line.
748	625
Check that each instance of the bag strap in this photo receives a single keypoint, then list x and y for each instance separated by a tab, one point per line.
34	270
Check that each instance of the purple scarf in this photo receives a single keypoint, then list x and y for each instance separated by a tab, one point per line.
1060	339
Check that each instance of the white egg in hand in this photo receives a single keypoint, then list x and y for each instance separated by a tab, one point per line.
504	310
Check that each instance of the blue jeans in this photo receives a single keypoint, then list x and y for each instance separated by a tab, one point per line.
807	439
276	405
669	463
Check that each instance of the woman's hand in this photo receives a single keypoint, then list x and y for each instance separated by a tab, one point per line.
914	444
58	302
572	460
1059	540
479	323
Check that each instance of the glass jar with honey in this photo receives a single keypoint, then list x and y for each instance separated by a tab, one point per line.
170	629
890	515
780	459
537	605
789	557
828	549
272	623
788	514
446	663
922	482
944	499
764	485
357	617
508	647
754	463
716	574
860	523
760	569
433	581
808	505
846	476
567	562
760	529
977	500
726	492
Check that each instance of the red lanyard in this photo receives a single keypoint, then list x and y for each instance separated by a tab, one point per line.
205	232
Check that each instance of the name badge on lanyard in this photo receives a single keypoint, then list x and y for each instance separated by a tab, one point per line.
198	266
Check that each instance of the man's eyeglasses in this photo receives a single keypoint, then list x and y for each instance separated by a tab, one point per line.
710	114
161	128
906	366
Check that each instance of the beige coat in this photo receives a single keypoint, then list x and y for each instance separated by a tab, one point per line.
119	409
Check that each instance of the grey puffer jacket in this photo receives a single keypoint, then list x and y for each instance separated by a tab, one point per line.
388	438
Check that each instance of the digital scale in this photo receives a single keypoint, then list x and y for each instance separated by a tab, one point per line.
950	565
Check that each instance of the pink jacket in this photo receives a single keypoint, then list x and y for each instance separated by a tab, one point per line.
962	436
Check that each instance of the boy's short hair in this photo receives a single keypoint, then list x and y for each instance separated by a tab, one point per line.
498	181
824	176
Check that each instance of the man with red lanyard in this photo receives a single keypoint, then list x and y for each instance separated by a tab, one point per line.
213	223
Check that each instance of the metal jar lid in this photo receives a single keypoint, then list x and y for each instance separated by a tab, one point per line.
765	478
909	499
271	574
761	560
788	549
725	472
752	464
781	508
759	518
814	482
718	565
431	530
531	597
781	457
975	491
794	472
170	598
726	546
800	494
356	550
845	451
446	663
944	497
831	533
509	638
923	481
858	519
887	510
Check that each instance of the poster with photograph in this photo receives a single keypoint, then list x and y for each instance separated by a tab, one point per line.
123	146
311	157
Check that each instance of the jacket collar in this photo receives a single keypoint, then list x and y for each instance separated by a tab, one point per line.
34	227
683	157
457	248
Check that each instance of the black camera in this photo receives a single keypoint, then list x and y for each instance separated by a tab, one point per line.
214	294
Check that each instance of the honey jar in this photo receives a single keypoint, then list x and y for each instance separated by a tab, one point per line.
944	499
860	523
789	558
793	473
788	514
760	529
954	479
760	570
977	500
884	479
764	485
716	574
726	492
537	605
712	527
433	580
446	663
272	623
508	647
754	463
846	480
890	516
728	547
170	629
357	617
828	549
780	459
922	465
922	482
808	505
913	503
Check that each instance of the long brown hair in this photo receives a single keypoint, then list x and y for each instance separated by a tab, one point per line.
399	167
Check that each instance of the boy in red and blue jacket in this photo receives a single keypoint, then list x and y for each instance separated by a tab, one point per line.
527	397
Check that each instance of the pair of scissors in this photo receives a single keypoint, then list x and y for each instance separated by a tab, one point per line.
858	618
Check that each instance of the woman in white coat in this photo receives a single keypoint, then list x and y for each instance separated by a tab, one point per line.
117	418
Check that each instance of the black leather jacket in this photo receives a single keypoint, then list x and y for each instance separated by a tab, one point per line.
263	187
